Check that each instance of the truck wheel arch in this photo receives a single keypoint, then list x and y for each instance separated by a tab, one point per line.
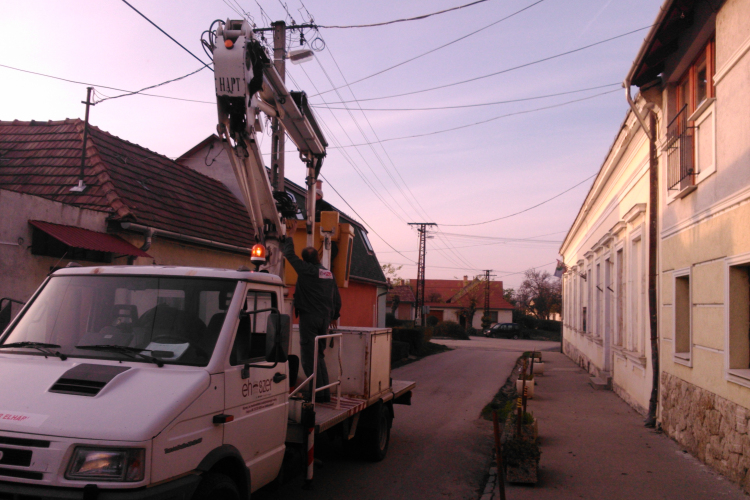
227	460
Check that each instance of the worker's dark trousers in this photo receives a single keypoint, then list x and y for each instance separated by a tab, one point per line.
310	326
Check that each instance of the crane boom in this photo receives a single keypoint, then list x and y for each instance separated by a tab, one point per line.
247	83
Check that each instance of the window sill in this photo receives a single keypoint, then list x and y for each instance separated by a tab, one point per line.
635	357
683	358
703	107
740	377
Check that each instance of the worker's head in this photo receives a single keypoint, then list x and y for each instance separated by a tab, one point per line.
310	254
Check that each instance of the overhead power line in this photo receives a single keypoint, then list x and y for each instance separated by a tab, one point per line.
461	106
152	86
363	219
435	49
139	92
417	18
485	121
507	70
524	210
167	34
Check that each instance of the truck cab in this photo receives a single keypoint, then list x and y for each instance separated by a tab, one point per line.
140	381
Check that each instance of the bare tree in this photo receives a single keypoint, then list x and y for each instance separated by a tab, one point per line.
539	294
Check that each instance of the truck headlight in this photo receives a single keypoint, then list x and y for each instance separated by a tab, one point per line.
98	464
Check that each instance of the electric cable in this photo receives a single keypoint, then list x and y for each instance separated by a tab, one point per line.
103	86
462	106
489	119
346	154
363	219
167	34
417	18
526	209
507	70
152	86
439	47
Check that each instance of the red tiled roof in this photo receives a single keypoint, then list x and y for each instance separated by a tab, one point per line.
91	240
130	182
404	292
457	293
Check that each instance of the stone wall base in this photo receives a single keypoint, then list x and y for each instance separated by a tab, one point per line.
713	429
579	358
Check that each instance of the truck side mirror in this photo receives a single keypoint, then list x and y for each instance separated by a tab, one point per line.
277	329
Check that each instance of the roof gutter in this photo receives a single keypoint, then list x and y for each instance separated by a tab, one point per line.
639	59
152	231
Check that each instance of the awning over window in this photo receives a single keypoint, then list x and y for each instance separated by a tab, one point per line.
90	240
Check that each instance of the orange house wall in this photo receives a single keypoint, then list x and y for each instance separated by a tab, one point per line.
357	304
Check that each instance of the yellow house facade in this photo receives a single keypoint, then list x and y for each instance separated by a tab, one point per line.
696	65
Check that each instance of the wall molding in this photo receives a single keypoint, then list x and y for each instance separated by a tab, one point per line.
733	60
730	202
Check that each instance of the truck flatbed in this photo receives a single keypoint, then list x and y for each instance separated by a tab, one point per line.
327	414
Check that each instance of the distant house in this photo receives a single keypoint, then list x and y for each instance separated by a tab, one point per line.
364	301
139	207
450	300
401	300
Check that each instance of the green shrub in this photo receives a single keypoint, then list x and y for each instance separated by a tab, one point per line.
472	332
391	321
432	320
399	350
412	336
486	322
428	331
450	329
549	325
516	452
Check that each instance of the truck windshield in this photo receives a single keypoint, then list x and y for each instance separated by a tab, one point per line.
176	320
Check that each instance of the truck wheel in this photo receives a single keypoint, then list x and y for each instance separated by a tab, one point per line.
375	441
215	486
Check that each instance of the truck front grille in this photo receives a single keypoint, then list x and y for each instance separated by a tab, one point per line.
23	474
12	456
31	443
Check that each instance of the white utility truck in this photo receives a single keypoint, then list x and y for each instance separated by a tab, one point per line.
138	382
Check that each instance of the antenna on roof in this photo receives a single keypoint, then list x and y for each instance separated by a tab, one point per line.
81	187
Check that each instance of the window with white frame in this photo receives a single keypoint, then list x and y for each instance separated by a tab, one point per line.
620	297
608	299
635	342
590	300
689	146
682	310
599	294
737	353
581	304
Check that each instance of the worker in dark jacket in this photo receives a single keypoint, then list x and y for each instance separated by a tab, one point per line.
317	303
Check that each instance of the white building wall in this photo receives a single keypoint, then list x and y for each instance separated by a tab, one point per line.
610	233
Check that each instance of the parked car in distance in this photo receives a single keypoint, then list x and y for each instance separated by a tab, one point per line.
503	331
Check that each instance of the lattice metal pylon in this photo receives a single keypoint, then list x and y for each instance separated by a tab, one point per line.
419	306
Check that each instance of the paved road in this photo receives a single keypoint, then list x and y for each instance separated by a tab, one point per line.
440	448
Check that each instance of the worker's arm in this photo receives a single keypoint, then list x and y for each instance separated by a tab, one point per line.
336	310
298	264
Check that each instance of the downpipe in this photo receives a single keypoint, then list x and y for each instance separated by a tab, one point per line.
653	207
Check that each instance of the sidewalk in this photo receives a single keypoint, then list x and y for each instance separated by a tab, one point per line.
594	446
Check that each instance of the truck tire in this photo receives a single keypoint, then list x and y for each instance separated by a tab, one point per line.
215	486
375	440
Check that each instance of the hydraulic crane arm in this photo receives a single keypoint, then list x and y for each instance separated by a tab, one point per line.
247	83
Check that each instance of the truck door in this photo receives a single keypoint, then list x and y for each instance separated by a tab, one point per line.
256	392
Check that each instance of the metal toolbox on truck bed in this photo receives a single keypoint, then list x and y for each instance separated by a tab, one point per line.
365	363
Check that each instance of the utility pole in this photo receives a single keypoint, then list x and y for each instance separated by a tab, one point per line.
279	137
422	229
487	292
81	187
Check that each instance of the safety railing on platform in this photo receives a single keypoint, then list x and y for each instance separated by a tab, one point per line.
312	379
